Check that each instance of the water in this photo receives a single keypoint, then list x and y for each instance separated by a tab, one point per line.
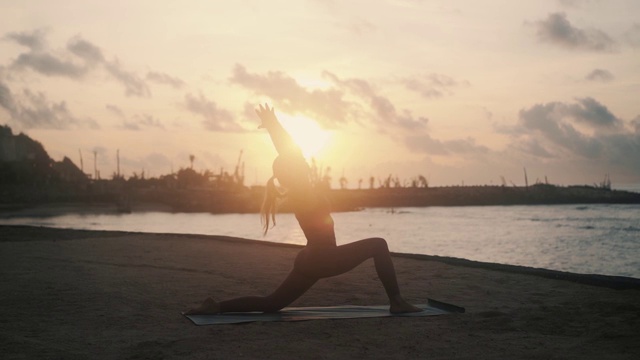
600	239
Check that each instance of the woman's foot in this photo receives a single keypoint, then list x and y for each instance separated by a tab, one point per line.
399	306
208	307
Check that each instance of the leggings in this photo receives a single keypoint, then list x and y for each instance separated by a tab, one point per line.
313	264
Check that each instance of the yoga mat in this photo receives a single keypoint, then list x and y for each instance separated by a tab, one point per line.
432	308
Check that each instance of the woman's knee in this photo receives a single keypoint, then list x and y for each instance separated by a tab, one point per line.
379	244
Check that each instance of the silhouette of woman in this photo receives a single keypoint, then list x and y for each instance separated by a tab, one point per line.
321	257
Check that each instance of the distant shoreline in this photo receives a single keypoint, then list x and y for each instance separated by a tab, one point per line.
249	200
539	194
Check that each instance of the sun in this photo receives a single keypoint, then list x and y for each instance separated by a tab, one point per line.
309	136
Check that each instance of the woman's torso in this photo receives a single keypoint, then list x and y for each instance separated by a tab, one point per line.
313	213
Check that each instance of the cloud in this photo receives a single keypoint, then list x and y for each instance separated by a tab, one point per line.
348	100
115	110
547	117
249	112
407	121
141	121
215	118
624	149
328	106
38	59
533	147
551	128
591	112
40	113
433	85
6	100
137	122
134	86
632	36
34	40
165	79
556	29
49	63
33	110
426	144
85	50
548	121
149	120
386	116
600	75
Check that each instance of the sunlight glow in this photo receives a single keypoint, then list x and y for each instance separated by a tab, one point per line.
306	133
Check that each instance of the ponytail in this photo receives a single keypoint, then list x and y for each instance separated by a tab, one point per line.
269	205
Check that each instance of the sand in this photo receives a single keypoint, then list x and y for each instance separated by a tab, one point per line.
68	294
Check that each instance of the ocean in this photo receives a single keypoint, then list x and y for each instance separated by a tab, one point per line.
587	239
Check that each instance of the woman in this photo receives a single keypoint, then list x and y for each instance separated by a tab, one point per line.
321	257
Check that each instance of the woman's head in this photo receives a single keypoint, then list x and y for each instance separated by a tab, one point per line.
291	171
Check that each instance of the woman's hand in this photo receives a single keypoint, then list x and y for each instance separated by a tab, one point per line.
267	116
279	136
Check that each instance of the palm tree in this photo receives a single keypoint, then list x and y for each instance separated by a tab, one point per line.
191	159
423	182
343	182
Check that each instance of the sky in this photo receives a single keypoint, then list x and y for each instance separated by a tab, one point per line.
460	92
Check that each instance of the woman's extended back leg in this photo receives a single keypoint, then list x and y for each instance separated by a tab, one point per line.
291	288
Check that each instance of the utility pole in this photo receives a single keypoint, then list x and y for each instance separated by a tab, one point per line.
81	163
95	165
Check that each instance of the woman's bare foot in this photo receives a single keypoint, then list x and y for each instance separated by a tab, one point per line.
208	307
399	306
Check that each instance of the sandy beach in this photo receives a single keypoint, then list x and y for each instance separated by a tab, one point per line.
69	294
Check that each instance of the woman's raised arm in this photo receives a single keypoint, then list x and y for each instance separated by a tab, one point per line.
279	136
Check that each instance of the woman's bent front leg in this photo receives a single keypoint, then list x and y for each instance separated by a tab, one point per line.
332	261
327	262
